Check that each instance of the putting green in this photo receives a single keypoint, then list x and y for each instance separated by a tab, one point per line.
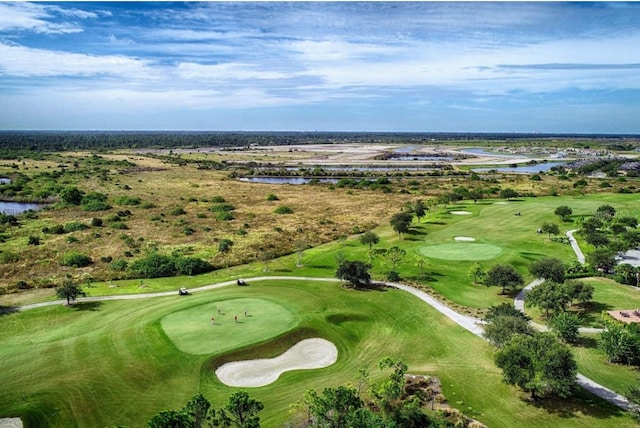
461	250
192	332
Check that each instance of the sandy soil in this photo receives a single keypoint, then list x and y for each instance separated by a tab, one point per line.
464	238
306	354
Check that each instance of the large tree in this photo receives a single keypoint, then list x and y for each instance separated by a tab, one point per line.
550	297
394	255
69	291
355	273
419	209
550	228
602	258
500	329
538	364
563	211
549	268
401	222
505	276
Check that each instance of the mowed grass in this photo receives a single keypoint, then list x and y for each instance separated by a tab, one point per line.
221	326
99	364
461	251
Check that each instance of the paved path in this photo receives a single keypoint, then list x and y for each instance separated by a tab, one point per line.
575	246
474	325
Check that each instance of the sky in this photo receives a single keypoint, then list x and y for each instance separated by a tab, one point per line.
321	66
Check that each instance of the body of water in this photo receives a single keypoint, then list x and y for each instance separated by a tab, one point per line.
525	169
4	180
15	208
483	152
287	180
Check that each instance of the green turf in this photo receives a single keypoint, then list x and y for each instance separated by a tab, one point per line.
461	251
112	363
193	331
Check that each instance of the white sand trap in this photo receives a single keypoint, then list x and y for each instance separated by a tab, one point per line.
464	238
502	203
459	212
306	354
10	423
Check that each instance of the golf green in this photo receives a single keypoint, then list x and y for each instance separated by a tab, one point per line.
461	251
193	331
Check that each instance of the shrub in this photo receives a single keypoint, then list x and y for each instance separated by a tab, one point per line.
177	211
153	266
75	259
96	222
106	259
57	229
74	226
272	197
119	265
34	240
224	216
120	225
8	257
283	209
218	200
188	230
95	202
128	200
147	205
222	207
72	239
191	266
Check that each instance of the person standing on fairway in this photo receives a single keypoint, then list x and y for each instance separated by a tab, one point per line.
213	321
245	312
235	318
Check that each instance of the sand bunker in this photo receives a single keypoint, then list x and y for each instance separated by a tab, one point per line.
10	423
459	212
501	203
306	354
464	238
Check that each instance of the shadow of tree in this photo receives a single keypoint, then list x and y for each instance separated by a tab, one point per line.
87	306
6	310
582	402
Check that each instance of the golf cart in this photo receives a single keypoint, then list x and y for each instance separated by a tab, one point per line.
183	291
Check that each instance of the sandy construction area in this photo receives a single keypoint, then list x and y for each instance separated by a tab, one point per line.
306	354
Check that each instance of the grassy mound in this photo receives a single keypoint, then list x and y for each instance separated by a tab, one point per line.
461	250
192	332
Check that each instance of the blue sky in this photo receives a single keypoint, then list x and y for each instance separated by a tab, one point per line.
327	66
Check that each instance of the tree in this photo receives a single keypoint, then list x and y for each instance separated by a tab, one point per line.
400	222
499	329
550	228
241	411
538	365
563	211
388	393
549	296
579	291
369	238
355	273
620	344
504	309
605	212
69	291
419	209
505	276
477	272
72	195
335	407
198	408
627	274
301	246
394	256
566	327
420	262
597	239
508	193
549	268
602	258
590	225
170	419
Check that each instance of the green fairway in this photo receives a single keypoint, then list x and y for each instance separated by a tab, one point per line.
112	362
461	251
193	331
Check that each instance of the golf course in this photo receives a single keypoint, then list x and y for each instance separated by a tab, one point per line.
102	363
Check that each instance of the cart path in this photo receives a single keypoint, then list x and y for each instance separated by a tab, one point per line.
474	325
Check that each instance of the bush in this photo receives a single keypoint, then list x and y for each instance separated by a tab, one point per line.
120	225
34	240
283	209
57	229
119	265
175	211
95	202
147	205
224	216
96	222
75	259
153	266
74	226
191	266
272	197
8	257
106	259
218	200
128	200
222	207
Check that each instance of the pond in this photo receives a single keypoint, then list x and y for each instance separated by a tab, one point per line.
287	180
15	208
483	152
5	180
525	169
421	158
